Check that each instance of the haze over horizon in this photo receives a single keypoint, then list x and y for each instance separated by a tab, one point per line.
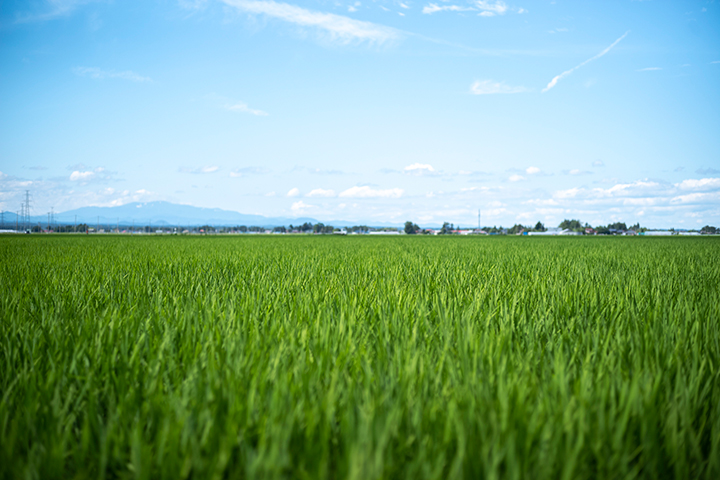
369	112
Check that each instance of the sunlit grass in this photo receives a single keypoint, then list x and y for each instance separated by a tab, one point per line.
307	357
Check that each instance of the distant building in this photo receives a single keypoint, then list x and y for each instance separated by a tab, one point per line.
555	231
657	233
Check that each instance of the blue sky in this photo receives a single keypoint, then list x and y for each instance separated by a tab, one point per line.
367	111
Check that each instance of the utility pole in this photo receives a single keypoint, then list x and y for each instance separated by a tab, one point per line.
479	227
48	222
97	225
118	225
17	215
75	227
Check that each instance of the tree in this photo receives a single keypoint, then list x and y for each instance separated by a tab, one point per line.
411	228
539	227
601	230
447	228
280	229
708	230
516	229
617	227
574	225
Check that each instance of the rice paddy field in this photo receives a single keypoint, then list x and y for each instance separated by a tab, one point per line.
359	357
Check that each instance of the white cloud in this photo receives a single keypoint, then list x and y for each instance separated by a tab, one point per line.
637	188
367	192
488	87
99	74
242	107
569	193
419	169
516	178
532	170
577	171
300	207
648	69
338	28
294	192
81	176
433	8
319	192
486	8
598	163
555	80
496	7
715	61
702	184
200	170
694	198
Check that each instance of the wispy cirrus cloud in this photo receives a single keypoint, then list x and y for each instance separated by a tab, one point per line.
336	28
200	170
100	74
564	74
316	171
486	8
577	171
245	171
434	8
648	69
52	9
490	87
243	108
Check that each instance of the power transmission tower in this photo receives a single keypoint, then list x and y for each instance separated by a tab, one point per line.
26	218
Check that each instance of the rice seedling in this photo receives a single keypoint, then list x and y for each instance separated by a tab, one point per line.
359	357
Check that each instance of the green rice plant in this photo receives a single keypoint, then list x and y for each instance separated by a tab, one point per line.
359	357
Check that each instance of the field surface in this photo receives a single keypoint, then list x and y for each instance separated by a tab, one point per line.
359	357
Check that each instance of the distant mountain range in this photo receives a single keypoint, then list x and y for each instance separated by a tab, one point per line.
171	214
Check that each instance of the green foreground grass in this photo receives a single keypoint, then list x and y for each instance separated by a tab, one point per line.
307	357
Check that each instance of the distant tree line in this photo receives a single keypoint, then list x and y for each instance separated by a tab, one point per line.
410	228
